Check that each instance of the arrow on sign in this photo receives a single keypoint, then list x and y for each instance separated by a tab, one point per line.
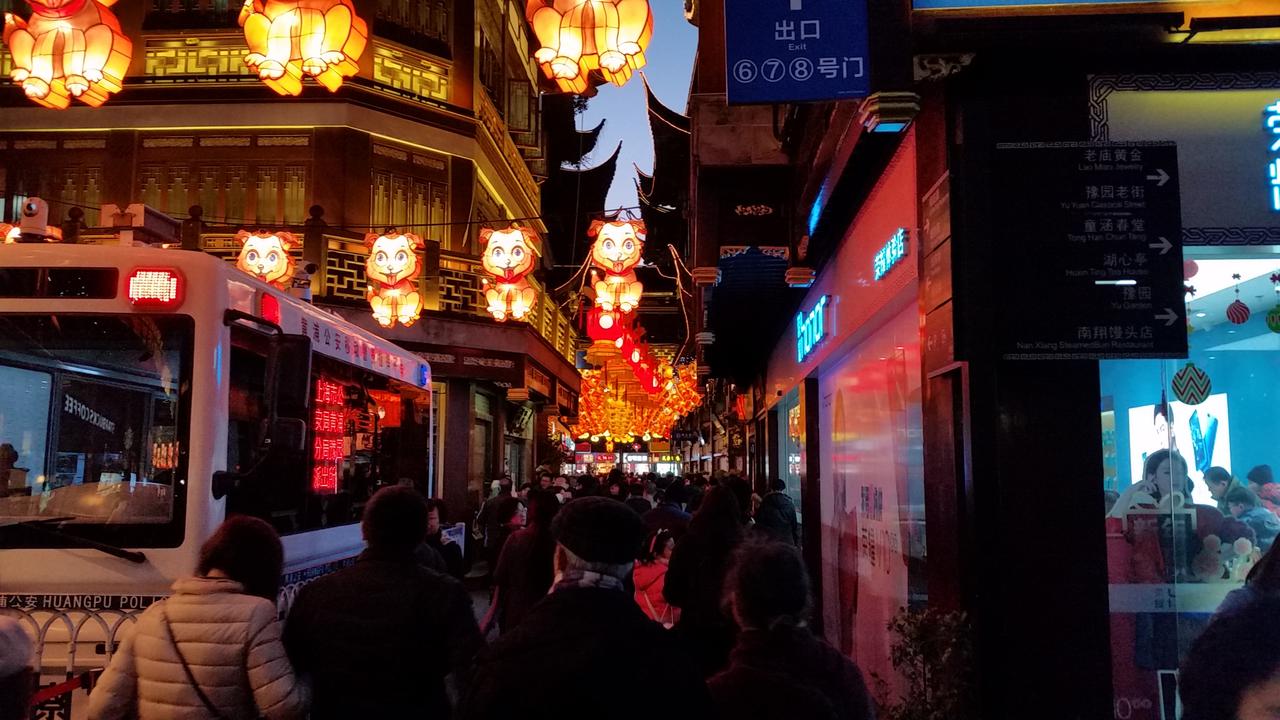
1164	245
1168	316
1161	177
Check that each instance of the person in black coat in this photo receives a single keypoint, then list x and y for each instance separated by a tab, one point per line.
776	518
589	629
695	578
778	669
669	513
379	638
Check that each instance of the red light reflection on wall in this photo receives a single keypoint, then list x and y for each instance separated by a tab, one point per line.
327	426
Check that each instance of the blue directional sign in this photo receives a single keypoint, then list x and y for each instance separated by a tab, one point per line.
796	50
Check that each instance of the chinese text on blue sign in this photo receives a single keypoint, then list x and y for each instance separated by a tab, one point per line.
890	254
1273	164
796	50
1011	4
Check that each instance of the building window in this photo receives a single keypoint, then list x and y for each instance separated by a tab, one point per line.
409	203
424	24
279	193
491	75
192	13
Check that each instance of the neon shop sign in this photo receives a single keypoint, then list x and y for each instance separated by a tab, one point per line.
891	254
1273	156
811	328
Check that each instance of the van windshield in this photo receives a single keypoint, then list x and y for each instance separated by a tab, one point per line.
94	413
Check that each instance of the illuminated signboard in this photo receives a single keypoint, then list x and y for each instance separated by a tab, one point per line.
664	458
1273	158
635	457
327	428
811	328
891	254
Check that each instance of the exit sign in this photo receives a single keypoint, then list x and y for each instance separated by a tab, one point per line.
811	328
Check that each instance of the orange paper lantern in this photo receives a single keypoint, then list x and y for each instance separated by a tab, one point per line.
68	49
265	255
578	36
617	250
509	256
292	39
393	270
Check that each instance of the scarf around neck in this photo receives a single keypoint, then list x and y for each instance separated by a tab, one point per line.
585	578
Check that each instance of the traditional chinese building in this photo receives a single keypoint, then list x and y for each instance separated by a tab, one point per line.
438	131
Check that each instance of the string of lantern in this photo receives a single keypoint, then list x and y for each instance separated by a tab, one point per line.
75	49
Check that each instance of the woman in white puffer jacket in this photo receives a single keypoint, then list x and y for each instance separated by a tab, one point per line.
212	650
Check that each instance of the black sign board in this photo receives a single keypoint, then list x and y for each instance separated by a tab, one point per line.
1089	246
684	436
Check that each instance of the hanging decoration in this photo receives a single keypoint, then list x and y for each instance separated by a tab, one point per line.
392	271
1237	312
68	49
576	37
607	409
265	255
1191	385
509	256
290	40
617	250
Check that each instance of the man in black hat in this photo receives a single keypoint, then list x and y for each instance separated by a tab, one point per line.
588	628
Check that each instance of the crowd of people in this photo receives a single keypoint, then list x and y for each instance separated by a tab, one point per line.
627	598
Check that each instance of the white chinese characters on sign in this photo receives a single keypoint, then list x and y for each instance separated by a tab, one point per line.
889	255
1273	164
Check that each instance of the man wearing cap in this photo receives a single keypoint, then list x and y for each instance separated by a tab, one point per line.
590	629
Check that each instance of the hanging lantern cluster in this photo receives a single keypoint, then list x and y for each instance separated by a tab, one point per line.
509	256
393	272
68	49
75	49
294	39
608	407
578	36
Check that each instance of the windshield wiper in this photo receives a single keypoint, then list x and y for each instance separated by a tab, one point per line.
41	527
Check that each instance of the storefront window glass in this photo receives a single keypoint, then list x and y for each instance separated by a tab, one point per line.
1182	440
873	491
791	445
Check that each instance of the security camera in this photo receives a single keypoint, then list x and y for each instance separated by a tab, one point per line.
301	285
35	216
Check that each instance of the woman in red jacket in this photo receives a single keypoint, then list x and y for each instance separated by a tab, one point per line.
651	574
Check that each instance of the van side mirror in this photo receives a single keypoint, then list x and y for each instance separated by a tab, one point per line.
289	374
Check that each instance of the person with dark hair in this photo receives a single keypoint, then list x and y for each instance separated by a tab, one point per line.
778	668
741	489
17	670
1163	473
494	521
1262	583
450	553
616	485
1245	507
524	571
651	575
590	630
212	649
380	637
669	512
1220	481
1233	669
696	575
636	499
776	518
1264	485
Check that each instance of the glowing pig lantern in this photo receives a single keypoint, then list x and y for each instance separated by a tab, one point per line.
617	250
578	36
68	49
392	271
509	256
293	39
265	255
